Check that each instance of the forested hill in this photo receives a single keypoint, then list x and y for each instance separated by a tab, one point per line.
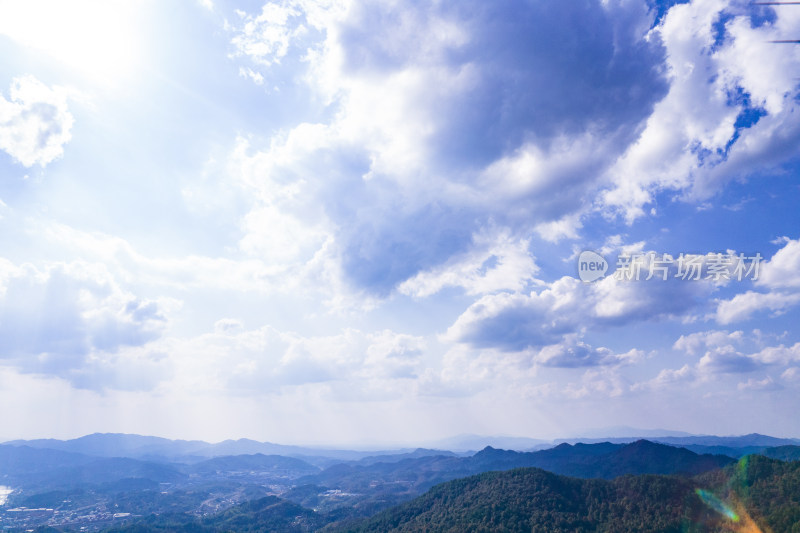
757	494
529	499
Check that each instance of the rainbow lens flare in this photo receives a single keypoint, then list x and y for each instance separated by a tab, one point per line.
717	504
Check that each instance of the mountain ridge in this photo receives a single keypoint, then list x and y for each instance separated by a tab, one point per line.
142	446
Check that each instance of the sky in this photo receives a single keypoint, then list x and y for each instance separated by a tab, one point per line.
359	223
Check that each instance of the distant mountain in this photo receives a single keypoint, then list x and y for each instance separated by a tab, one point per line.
116	445
45	469
24	460
249	447
189	451
166	450
727	445
395	458
625	432
473	443
275	464
742	441
95	472
112	469
605	460
735	453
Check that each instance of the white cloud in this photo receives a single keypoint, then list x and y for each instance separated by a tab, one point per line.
781	279
779	355
791	375
519	321
699	342
743	306
422	123
265	38
782	271
533	171
667	378
35	122
228	326
495	263
251	74
766	384
419	124
731	353
572	353
67	318
691	143
597	382
233	360
726	360
177	272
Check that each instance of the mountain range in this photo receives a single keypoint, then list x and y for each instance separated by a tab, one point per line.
160	484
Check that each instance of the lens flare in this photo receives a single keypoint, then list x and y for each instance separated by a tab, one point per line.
740	519
717	504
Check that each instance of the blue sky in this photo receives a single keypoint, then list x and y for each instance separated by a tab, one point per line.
358	223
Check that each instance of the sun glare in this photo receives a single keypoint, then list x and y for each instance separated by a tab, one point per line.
98	38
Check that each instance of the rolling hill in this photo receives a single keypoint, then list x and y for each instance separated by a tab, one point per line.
756	494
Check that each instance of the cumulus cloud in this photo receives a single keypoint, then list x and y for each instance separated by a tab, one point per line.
791	375
778	355
459	120
782	271
667	378
454	120
35	122
728	353
597	382
743	306
779	277
727	361
265	38
495	263
178	272
65	318
730	110
519	321
573	353
699	342
235	360
766	384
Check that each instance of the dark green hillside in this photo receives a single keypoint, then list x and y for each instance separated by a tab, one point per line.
783	453
755	495
769	489
529	499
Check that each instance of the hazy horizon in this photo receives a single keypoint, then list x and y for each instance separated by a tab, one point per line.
452	442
